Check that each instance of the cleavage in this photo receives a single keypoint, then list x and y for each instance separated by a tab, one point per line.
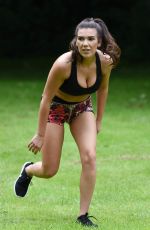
86	77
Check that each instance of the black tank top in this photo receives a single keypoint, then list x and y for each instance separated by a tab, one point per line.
71	85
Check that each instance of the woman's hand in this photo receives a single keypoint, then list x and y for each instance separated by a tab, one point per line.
36	143
98	126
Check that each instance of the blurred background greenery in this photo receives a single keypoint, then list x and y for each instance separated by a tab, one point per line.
44	29
32	34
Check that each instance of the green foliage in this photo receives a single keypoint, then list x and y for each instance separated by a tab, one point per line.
121	198
41	28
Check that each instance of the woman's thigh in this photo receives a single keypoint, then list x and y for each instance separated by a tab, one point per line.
52	147
83	129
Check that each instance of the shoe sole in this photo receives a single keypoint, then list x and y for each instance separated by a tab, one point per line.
18	178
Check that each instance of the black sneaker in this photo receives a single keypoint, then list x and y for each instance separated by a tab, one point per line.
85	221
23	181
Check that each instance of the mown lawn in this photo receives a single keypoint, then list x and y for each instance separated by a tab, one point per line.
122	195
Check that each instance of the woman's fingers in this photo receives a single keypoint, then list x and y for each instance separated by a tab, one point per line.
33	148
36	144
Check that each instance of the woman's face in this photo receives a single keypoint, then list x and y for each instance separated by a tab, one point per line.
87	42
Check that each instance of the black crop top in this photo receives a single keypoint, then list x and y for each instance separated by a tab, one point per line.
71	85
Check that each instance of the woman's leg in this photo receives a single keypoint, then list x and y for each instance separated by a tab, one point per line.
83	129
51	153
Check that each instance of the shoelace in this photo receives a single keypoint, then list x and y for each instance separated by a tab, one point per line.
90	216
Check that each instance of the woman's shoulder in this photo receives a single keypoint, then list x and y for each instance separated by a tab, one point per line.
106	62
63	63
104	58
64	59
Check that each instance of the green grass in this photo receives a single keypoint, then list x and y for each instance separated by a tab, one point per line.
121	199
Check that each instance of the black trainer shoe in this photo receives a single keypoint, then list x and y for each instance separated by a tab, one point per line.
23	181
85	221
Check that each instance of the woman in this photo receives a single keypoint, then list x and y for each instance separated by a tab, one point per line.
74	76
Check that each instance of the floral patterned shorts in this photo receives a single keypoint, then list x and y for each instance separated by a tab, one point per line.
60	112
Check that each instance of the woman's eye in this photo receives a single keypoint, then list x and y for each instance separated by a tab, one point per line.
91	38
80	39
88	38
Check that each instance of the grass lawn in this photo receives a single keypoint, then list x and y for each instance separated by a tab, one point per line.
121	199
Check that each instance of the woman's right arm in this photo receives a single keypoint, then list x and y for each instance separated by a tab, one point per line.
55	78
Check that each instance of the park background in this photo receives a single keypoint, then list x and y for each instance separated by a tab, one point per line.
35	28
33	34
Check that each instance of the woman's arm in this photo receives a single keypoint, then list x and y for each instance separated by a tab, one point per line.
54	81
103	90
55	78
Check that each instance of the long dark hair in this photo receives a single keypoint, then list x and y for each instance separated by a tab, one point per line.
108	43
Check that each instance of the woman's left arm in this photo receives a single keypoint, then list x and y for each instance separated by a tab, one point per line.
103	91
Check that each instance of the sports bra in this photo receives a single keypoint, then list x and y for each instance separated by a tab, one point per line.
71	85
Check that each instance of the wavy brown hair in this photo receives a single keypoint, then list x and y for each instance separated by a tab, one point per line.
108	43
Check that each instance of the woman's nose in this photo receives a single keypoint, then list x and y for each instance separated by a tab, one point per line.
85	42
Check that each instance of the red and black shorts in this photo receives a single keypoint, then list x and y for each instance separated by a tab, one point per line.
61	111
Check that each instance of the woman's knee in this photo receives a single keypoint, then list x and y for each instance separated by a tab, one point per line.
49	171
88	158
